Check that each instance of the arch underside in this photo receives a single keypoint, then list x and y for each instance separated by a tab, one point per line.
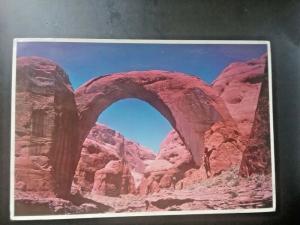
186	102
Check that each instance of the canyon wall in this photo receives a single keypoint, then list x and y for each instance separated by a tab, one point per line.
46	131
239	85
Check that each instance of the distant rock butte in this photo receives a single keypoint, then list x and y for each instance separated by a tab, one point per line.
102	146
239	85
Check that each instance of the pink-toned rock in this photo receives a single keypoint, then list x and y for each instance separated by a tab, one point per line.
224	148
168	167
174	166
159	179
192	176
113	180
159	173
189	104
134	153
158	165
46	128
102	146
174	151
239	85
94	156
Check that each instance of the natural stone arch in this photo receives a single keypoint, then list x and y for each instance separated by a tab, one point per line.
188	103
45	98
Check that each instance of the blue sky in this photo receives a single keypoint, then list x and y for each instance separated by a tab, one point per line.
133	118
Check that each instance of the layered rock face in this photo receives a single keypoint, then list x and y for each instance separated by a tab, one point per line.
103	146
239	85
257	156
244	88
46	128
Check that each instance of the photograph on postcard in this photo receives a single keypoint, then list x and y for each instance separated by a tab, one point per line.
105	128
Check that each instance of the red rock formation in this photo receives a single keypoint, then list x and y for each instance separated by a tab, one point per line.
94	156
174	166
192	176
102	146
168	167
47	146
180	98
189	104
174	151
224	149
239	85
257	156
113	180
46	128
160	175
135	154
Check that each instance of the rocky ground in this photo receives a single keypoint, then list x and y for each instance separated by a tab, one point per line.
226	191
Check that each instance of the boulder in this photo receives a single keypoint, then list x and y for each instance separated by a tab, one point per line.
224	147
157	179
114	179
94	156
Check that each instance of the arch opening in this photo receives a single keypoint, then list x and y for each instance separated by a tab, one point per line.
137	121
186	102
129	131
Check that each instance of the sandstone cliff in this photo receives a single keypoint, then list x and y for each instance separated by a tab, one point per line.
45	112
239	85
257	156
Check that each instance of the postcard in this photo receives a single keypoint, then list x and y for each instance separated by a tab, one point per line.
120	128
